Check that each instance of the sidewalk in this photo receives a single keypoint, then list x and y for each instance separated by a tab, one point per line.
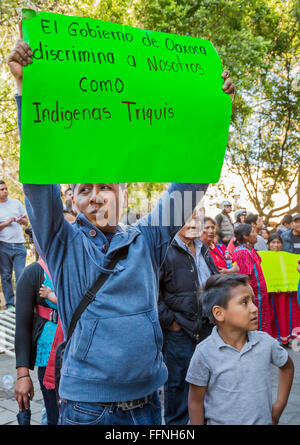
9	407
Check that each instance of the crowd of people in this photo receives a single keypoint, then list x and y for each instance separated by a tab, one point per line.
201	249
129	309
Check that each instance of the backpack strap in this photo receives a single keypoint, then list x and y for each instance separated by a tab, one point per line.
90	294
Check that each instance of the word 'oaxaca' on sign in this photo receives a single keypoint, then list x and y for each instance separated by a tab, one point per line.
280	270
113	103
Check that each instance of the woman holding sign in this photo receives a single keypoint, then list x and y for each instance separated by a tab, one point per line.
284	305
249	261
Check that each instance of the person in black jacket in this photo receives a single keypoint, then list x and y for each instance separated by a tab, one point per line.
187	266
36	322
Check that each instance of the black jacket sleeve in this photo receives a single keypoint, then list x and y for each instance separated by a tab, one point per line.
27	293
166	316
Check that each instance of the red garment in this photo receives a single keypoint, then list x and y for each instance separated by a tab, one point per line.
286	316
246	258
44	266
49	377
231	246
217	252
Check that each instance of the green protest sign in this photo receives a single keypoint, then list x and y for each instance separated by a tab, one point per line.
113	103
280	270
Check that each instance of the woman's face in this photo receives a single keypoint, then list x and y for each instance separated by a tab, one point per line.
242	218
275	245
208	233
251	238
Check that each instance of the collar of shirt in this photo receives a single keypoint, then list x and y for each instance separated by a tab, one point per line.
253	338
107	242
198	245
93	232
202	268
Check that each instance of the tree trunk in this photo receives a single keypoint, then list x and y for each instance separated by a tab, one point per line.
298	193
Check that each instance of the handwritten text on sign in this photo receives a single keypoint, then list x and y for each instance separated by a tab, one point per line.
124	103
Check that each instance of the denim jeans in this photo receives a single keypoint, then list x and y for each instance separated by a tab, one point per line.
49	396
12	256
177	351
84	413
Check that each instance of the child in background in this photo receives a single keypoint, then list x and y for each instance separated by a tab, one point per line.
230	371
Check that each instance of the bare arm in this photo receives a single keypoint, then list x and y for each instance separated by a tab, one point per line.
47	292
234	269
7	223
285	380
196	404
24	391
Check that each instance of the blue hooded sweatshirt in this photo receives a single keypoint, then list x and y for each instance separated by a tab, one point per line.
115	351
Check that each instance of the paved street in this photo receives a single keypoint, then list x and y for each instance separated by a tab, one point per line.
9	407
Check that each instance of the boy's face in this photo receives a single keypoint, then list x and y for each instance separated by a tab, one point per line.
241	312
101	203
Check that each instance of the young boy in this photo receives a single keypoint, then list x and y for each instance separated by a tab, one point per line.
229	374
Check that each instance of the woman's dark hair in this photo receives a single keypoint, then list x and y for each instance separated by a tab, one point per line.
240	231
274	236
217	291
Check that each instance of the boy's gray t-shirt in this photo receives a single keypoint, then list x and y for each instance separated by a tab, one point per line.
239	385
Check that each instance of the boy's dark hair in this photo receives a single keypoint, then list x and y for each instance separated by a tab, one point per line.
251	219
217	292
2	182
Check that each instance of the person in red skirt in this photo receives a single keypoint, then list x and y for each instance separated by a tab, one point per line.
284	305
248	261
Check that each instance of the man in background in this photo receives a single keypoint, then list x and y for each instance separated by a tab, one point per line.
291	238
12	248
187	266
256	222
224	223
